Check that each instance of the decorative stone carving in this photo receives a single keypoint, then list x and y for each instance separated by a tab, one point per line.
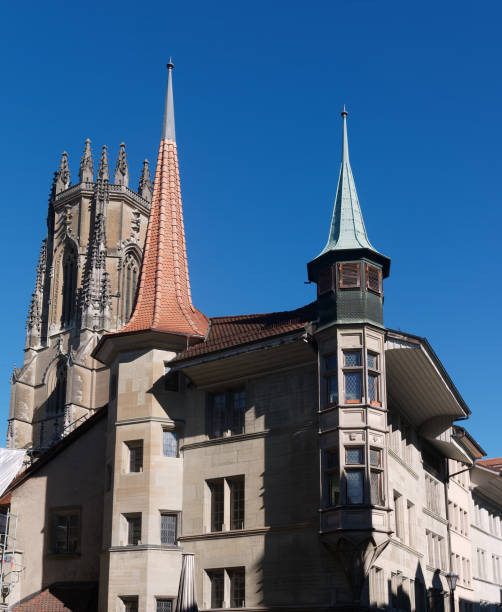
63	177
145	183
86	172
121	169
136	221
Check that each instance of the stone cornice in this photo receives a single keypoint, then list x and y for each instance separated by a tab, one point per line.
87	189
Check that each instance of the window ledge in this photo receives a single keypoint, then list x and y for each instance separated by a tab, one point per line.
144	547
227	439
435	515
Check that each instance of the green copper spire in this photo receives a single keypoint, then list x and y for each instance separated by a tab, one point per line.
168	130
347	229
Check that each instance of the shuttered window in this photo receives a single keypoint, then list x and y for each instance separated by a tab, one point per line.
373	279
349	275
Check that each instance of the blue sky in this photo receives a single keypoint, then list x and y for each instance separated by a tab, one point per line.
258	91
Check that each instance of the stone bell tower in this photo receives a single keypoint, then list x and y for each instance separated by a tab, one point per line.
349	273
85	285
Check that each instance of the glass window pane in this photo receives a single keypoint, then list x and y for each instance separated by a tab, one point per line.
164	605
372	361
237	503
168	524
352	358
237	587
332	389
330	363
376	487
238	412
352	386
216	505
373	388
375	457
216	578
218	415
354	455
333	488
170	443
355	486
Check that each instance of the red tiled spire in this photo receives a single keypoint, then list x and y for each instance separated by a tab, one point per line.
163	300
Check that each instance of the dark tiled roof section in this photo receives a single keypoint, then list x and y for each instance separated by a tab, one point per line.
493	464
229	332
63	597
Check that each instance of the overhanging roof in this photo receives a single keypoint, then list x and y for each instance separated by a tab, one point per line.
417	381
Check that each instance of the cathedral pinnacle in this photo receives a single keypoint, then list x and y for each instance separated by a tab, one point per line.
121	169
63	179
145	183
103	165
86	171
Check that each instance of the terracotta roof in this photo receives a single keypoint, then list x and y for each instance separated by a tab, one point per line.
163	300
62	597
493	464
229	332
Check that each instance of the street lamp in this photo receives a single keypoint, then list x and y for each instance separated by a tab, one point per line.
451	579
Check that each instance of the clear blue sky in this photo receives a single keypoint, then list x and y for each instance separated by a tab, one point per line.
258	91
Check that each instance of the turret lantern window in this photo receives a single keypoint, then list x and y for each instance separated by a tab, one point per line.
349	275
373	279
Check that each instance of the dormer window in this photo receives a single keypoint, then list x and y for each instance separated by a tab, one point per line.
373	279
349	275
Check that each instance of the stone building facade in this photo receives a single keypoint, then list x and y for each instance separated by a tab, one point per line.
305	460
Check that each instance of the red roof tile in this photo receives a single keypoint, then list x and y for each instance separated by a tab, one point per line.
62	597
494	464
229	332
164	301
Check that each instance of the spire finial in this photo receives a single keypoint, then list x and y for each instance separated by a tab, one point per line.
121	169
344	112
103	165
168	130
86	172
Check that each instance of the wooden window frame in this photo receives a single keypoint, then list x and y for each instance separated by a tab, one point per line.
341	284
379	271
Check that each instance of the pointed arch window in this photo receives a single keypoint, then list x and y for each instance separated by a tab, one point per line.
57	395
130	274
69	265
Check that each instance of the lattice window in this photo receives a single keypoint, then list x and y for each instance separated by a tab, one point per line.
168	528
216	578
217	505
237	587
169	443
349	275
133	529
66	531
373	279
237	502
164	605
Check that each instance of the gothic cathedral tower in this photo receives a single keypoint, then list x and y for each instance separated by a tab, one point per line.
85	286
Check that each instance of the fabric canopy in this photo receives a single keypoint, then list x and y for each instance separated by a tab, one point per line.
11	461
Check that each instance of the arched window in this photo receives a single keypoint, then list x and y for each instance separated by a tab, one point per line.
130	273
57	391
69	275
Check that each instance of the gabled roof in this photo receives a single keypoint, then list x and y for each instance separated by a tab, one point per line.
228	332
